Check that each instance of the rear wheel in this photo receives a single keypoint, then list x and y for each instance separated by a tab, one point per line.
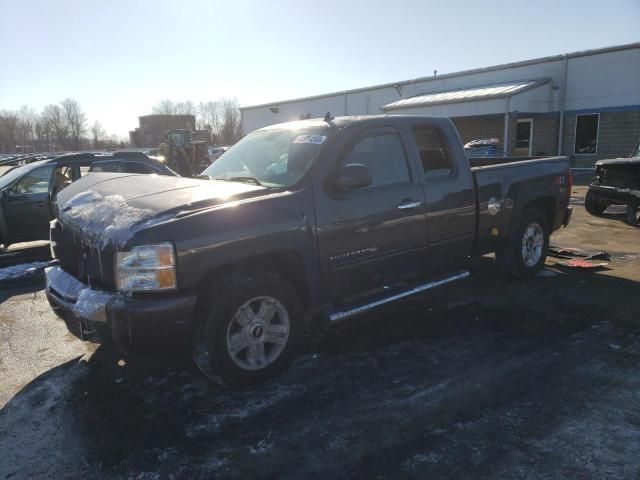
593	205
251	329
526	248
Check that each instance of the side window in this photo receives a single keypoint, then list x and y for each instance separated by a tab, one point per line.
138	167
108	166
384	156
62	178
36	181
436	161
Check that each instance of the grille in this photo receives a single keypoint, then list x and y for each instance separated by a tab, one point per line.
619	176
89	264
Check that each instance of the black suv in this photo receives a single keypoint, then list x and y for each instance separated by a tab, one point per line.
28	192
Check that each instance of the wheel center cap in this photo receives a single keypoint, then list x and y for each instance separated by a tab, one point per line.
257	331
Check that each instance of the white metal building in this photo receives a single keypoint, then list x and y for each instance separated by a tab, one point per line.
582	104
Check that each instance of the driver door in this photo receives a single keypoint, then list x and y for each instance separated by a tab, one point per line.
376	235
26	206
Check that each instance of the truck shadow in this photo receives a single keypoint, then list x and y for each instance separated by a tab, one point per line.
111	413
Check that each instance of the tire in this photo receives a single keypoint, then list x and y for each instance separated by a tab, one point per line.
525	251
251	329
631	214
593	205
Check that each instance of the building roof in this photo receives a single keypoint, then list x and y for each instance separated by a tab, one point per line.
552	58
483	92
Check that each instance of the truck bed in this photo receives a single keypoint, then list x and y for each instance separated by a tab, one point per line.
509	184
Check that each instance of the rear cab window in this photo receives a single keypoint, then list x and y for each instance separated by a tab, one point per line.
435	158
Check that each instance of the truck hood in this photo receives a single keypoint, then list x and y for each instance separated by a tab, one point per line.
109	208
619	161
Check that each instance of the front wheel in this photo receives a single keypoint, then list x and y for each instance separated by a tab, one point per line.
526	248
251	330
593	205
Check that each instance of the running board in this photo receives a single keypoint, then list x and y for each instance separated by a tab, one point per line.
337	315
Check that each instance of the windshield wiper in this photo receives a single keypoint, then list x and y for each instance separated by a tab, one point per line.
244	179
203	176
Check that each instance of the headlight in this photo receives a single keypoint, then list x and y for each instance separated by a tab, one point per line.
146	268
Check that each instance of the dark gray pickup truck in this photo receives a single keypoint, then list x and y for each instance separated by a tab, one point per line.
310	221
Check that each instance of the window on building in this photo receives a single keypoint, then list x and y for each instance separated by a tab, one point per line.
433	153
384	156
524	130
586	134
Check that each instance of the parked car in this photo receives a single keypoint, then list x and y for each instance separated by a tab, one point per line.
28	192
616	182
309	221
484	148
216	152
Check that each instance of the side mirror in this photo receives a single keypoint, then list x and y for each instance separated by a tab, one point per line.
352	176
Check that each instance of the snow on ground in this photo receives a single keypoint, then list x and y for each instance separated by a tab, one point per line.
22	270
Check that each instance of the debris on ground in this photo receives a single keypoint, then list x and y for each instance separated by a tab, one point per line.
570	252
599	256
566	252
580	263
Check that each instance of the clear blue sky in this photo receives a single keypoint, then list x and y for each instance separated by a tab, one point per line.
118	58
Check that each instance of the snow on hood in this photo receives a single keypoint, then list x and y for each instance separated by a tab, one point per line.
106	219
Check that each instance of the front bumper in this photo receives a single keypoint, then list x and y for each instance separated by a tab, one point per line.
151	325
615	196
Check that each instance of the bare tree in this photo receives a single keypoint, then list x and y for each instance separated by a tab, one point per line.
208	118
185	108
229	131
54	120
8	131
75	119
25	129
164	107
97	134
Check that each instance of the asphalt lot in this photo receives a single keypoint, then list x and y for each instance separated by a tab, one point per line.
485	379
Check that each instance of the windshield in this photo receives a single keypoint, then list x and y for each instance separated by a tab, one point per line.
12	175
273	157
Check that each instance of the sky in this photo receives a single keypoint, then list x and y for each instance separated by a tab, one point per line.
120	57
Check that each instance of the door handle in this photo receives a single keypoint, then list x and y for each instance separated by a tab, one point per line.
408	205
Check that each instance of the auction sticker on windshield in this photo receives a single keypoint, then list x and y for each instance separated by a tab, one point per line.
315	139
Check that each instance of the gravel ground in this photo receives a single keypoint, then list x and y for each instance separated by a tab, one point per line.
486	379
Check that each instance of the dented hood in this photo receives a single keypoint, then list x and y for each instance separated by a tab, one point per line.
110	208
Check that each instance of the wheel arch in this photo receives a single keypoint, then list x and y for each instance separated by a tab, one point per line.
545	204
286	263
